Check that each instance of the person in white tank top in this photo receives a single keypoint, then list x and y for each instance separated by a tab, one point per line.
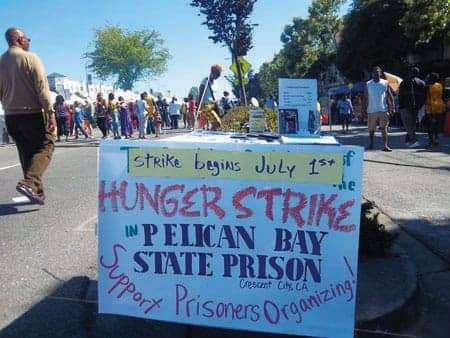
378	103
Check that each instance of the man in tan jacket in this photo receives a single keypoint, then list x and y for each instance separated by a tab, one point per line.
29	116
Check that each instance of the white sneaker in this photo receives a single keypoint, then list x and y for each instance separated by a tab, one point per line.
413	145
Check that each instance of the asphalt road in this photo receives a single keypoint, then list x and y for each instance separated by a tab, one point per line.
51	249
48	254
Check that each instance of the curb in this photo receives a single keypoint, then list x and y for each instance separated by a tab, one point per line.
96	141
407	307
77	145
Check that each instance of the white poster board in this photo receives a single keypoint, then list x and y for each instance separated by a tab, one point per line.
297	113
249	236
257	121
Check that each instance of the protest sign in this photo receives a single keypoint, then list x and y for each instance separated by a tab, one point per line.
242	249
297	113
257	121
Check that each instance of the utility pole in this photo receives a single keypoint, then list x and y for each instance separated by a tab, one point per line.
87	81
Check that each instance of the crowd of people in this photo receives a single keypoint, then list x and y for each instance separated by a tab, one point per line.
413	104
119	118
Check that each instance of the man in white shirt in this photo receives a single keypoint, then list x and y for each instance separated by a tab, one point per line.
378	105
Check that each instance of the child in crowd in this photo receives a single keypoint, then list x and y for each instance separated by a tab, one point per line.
78	120
157	121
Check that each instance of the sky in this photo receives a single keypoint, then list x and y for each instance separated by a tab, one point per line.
62	31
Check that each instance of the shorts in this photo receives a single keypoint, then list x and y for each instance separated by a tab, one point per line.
381	118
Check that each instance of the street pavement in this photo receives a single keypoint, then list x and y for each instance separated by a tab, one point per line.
43	249
48	254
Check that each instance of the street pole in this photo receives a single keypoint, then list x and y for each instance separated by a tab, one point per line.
329	112
87	82
239	71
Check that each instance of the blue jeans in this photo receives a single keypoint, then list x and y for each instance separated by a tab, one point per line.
142	120
115	124
150	127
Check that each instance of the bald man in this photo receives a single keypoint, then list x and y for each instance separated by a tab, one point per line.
25	96
208	100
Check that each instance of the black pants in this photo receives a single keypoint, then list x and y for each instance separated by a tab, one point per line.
345	119
63	128
79	127
174	121
34	145
101	123
434	123
165	119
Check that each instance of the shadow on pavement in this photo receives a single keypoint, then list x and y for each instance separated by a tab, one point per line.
12	208
70	311
435	234
52	316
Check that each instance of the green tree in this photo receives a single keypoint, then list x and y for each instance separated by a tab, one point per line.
229	24
127	56
309	44
270	72
372	36
424	20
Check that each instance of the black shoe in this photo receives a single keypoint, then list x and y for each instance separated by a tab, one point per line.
30	194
